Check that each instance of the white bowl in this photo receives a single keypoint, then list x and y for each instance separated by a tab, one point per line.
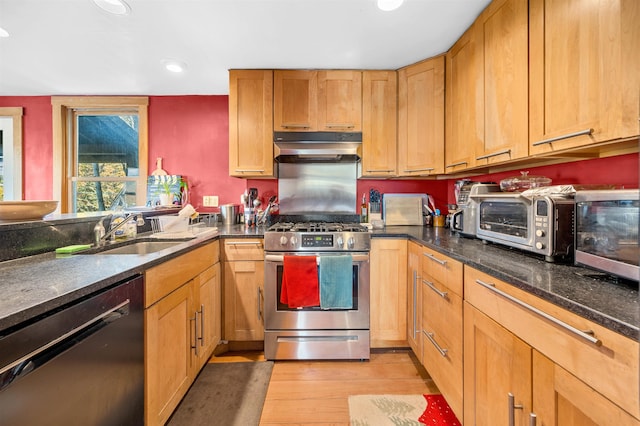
26	209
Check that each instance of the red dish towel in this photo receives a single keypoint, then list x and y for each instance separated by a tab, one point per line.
438	412
300	282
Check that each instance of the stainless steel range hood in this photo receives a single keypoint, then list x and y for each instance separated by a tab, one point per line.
314	147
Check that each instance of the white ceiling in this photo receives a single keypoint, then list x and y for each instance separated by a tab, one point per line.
70	47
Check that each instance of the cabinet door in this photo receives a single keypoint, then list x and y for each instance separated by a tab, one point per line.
379	123
243	300
295	100
340	101
209	312
414	298
421	118
496	364
464	123
169	364
388	292
251	123
504	34
560	399
584	72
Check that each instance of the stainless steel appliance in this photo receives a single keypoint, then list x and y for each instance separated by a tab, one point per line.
542	224
607	231
317	172
82	365
313	332
464	219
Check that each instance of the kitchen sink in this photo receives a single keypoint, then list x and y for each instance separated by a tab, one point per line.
136	247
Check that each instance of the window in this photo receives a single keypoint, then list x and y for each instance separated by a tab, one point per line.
11	153
100	152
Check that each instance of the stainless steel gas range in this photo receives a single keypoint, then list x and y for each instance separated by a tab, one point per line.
320	325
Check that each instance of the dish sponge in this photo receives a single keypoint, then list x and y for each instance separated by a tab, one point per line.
72	249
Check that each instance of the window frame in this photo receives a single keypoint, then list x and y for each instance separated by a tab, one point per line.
63	108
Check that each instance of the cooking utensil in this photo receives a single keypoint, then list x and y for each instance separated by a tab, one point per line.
159	171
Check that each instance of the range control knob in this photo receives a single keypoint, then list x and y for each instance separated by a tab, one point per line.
351	242
339	241
283	240
539	232
539	245
294	241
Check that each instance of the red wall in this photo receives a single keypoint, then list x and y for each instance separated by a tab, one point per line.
190	133
37	146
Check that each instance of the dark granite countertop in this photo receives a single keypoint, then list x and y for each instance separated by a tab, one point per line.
37	284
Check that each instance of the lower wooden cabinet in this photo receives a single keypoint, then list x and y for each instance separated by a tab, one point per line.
182	327
243	289
388	292
441	355
414	297
561	367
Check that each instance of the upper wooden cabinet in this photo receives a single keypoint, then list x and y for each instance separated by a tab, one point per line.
327	100
584	79
503	41
464	123
251	123
379	123
487	89
421	118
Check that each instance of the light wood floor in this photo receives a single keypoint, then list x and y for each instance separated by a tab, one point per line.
317	392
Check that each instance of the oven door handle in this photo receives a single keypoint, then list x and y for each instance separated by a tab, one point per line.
280	257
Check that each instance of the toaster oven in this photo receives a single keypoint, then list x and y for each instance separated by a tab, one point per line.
607	231
542	224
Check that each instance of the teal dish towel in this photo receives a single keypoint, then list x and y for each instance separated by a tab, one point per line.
336	278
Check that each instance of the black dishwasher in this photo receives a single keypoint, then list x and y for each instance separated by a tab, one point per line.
81	365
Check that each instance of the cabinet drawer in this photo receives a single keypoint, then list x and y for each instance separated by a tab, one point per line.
168	276
243	249
442	340
443	269
606	361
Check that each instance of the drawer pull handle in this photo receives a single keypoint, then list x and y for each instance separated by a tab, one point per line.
512	409
495	154
381	171
442	351
249	171
340	126
243	243
435	259
533	419
442	294
461	163
428	169
295	126
584	335
567	136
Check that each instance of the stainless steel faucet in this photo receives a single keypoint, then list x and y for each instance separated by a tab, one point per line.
99	231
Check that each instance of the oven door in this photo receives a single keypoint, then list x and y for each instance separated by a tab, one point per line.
506	220
279	316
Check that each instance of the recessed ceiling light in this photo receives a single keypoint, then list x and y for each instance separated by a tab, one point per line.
116	7
3	32
174	66
388	5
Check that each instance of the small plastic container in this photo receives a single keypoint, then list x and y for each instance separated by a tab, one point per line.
523	182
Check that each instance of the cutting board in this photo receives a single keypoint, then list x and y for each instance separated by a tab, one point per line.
403	209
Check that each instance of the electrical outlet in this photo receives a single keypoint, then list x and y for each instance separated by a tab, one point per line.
210	201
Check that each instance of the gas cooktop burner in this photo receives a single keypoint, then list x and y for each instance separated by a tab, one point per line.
317	227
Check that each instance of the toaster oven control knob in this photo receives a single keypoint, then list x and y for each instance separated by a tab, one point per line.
350	242
339	241
539	233
283	240
294	241
539	245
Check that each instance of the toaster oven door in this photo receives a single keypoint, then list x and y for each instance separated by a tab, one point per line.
505	220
